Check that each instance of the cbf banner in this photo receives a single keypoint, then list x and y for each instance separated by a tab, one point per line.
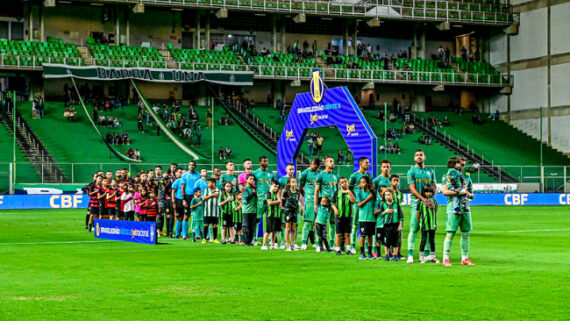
127	231
322	108
236	78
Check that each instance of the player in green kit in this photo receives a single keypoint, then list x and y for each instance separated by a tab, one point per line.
326	186
307	187
263	179
398	198
418	176
343	209
353	185
229	176
454	221
290	170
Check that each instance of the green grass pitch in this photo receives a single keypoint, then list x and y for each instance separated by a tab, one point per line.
53	269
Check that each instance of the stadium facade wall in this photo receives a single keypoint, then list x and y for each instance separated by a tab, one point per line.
535	62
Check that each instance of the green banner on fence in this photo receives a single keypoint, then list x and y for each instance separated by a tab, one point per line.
232	78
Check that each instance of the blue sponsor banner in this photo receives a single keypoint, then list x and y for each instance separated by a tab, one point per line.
509	199
19	202
127	231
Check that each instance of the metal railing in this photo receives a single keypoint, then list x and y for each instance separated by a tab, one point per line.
35	62
126	63
554	178
425	10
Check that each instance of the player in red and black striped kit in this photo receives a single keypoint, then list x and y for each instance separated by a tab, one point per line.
151	207
94	204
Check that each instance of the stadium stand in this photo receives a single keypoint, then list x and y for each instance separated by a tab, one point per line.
35	53
126	56
195	59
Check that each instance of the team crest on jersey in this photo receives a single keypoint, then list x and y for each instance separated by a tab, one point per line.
317	86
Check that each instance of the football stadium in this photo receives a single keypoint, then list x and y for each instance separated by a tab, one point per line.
284	159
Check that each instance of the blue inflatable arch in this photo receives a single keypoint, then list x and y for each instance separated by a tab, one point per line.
324	108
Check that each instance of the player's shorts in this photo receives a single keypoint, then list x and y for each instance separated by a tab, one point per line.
151	218
120	214
179	208
380	235
291	217
197	225
130	215
211	220
343	224
309	211
111	211
238	226
367	228
161	205
142	217
463	222
227	220
269	224
94	211
188	199
261	208
391	235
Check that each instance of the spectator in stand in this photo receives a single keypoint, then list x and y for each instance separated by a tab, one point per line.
392	118
198	133
437	122
382	148
221	153
131	153
69	114
348	156
223	120
156	109
137	154
102	120
397	148
140	123
320	141
209	118
228	151
495	116
446	122
165	112
310	146
390	147
464	53
380	116
109	138
126	139
340	157
116	122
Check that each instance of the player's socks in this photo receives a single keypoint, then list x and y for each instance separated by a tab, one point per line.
215	233
331	235
282	237
184	228
447	243
87	220
464	243
362	250
412	237
353	234
306	228
204	235
178	227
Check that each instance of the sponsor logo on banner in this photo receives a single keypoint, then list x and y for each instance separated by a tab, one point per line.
351	130
317	86
139	232
316	117
289	136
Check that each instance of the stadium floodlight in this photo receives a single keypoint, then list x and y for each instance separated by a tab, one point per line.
138	8
222	13
444	26
300	18
49	3
438	88
511	29
374	22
